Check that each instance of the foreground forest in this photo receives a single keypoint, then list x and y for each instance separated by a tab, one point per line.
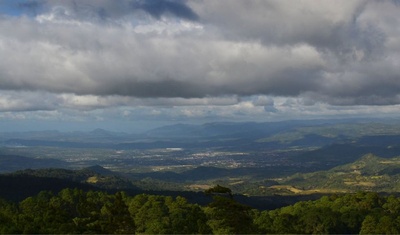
77	211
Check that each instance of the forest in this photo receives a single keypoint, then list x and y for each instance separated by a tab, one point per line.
98	212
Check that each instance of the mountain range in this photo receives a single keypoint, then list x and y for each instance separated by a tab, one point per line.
245	135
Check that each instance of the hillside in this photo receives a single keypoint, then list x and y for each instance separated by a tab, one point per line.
95	176
368	173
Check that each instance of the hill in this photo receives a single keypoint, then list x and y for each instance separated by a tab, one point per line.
238	135
368	173
95	175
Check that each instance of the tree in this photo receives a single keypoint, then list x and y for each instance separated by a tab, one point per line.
8	214
368	225
89	212
387	225
392	205
225	215
186	218
115	217
263	221
321	220
153	216
35	216
284	223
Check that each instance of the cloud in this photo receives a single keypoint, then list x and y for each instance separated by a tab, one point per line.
158	8
26	101
30	7
104	10
116	61
223	58
281	22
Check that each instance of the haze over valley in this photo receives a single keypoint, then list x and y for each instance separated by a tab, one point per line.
251	157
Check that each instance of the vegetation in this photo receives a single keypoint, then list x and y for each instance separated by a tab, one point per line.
369	173
284	169
97	212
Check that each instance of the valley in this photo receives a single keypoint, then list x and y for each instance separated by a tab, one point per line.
255	159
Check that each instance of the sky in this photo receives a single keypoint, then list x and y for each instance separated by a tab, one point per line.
131	65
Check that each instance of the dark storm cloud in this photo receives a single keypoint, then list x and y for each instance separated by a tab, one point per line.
114	10
146	89
158	8
32	6
331	25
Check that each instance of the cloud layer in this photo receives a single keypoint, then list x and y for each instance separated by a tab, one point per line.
95	54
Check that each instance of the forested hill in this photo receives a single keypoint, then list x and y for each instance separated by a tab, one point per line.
368	173
74	211
22	184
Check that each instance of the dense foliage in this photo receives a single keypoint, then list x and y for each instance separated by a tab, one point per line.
78	211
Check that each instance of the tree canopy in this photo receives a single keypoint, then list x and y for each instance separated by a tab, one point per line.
97	212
